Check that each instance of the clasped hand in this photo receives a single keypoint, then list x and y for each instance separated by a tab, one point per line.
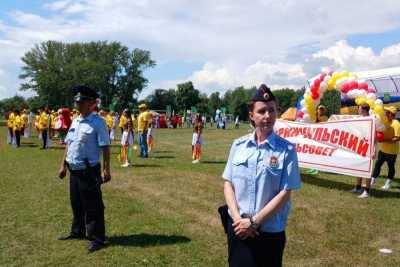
242	229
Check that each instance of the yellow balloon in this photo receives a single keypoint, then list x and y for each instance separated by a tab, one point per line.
345	74
331	84
361	101
371	103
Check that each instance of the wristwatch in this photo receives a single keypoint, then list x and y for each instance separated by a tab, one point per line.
253	224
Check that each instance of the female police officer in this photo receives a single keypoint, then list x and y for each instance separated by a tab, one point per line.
261	171
86	138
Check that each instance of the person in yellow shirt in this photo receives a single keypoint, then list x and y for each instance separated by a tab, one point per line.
108	118
44	125
124	118
388	148
10	126
24	117
143	122
17	126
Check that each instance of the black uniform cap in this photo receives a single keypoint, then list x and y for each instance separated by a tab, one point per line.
82	92
263	94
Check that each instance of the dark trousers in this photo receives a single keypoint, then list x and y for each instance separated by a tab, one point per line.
263	250
18	138
10	130
44	138
87	204
143	144
390	159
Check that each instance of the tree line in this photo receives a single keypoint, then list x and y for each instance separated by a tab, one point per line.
52	68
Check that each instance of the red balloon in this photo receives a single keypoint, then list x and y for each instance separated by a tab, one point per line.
371	90
322	76
300	114
380	136
353	85
313	88
315	95
363	86
345	88
317	82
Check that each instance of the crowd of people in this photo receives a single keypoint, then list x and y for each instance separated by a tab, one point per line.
49	125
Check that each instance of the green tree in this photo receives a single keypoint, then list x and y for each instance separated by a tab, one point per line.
186	96
214	102
160	98
203	104
331	100
236	101
52	68
12	103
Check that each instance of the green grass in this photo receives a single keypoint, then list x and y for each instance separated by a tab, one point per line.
162	211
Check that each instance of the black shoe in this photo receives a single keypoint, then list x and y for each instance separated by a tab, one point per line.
94	246
71	236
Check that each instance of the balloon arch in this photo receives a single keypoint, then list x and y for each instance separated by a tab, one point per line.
350	87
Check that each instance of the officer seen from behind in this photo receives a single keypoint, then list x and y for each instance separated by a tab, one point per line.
86	139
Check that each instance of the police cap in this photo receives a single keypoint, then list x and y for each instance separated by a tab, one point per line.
82	92
264	94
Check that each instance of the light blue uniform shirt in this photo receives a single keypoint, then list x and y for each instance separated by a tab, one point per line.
85	138
258	174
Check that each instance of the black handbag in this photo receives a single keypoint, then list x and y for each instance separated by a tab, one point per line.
223	213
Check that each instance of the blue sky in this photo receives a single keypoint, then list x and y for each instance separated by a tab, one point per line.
217	45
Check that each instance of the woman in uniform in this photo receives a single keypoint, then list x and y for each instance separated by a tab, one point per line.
261	172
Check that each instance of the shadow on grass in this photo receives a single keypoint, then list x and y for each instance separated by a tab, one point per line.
57	147
314	180
29	145
146	165
146	240
214	161
163	157
162	151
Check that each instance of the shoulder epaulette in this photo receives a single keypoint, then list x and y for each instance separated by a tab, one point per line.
242	139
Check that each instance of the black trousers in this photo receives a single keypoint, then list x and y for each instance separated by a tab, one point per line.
18	138
390	159
44	137
87	204
10	130
263	250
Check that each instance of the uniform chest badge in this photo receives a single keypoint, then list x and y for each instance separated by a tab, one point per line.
273	162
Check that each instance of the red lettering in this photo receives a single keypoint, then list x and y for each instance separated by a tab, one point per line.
343	138
332	150
334	138
325	136
318	134
353	141
363	147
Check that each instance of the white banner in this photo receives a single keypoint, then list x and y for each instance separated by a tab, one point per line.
344	146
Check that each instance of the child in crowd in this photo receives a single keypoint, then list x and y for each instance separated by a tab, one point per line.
126	143
197	141
150	136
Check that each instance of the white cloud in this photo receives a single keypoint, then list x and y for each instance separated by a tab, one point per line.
58	5
240	42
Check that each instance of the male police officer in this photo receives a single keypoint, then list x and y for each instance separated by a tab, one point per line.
87	136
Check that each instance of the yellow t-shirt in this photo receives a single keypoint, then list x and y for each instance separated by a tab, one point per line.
109	121
143	121
18	123
53	118
122	121
388	146
10	121
24	118
43	121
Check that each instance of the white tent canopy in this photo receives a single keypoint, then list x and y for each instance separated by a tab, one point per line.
385	81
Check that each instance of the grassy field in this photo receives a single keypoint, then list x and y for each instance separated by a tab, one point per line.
162	211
